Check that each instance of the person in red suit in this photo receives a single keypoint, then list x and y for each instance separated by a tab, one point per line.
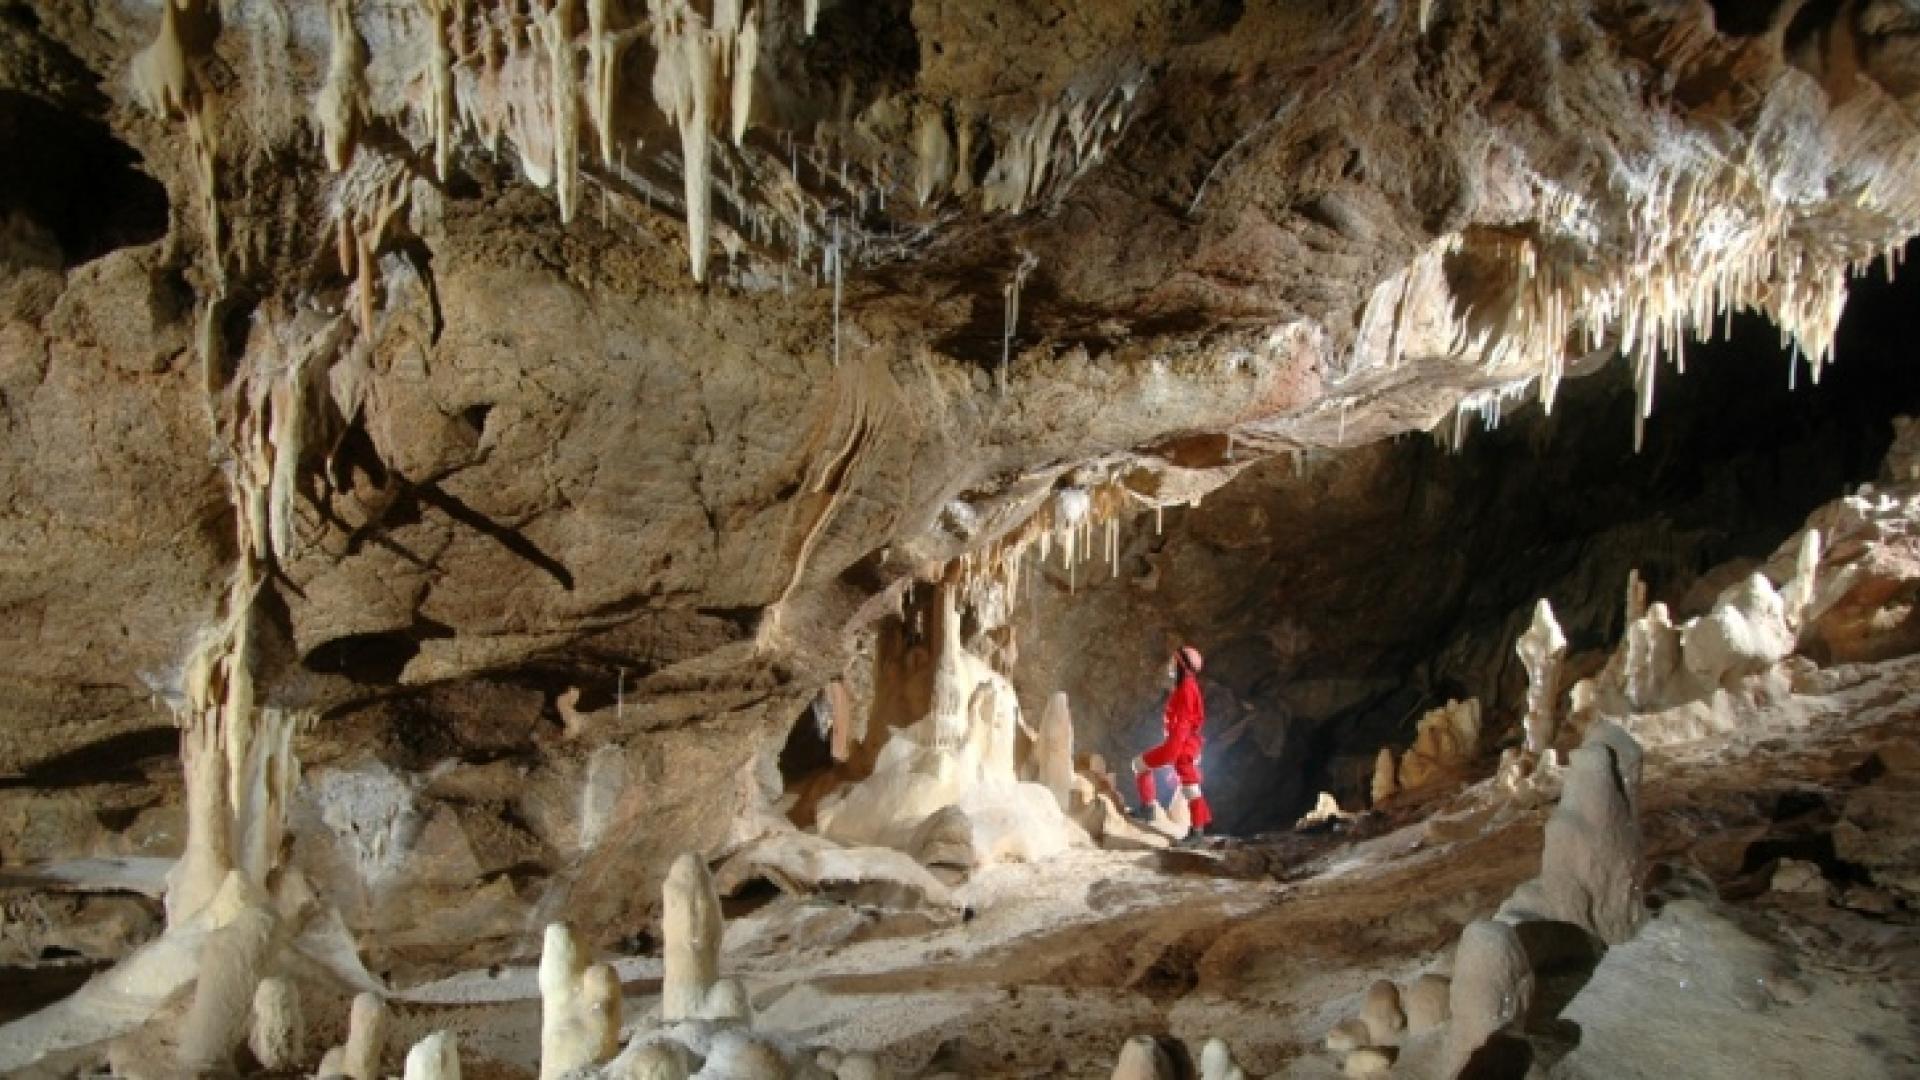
1183	721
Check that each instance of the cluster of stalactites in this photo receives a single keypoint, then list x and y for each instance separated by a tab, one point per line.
1081	521
1705	238
166	82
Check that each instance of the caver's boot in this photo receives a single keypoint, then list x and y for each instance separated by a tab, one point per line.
1195	840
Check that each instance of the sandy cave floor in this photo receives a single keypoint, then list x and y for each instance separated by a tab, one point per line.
1273	940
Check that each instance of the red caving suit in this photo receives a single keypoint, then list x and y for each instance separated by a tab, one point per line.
1185	716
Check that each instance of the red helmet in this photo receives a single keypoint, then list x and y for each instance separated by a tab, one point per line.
1190	656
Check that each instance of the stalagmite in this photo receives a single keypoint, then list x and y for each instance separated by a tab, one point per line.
651	1061
1492	989
1056	748
229	971
1381	1013
1384	785
1216	1062
692	926
1797	598
436	1057
1426	1003
1541	649
1349	1034
1747	631
1143	1059
366	1038
1590	864
332	1063
579	1006
278	1037
1448	739
341	106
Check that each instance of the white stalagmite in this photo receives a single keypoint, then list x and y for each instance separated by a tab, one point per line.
366	1038
1056	748
1799	593
1384	785
1216	1062
1541	649
278	1037
579	1007
436	1057
229	970
692	926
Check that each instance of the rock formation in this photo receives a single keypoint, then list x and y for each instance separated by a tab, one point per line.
1541	649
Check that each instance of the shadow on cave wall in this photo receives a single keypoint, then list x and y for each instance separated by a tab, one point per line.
1340	600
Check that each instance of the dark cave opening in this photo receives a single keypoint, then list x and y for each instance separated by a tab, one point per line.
1338	602
85	187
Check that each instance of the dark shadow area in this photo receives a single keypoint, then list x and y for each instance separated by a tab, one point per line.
375	659
118	759
70	176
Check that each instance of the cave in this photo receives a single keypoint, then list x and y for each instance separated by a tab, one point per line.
764	540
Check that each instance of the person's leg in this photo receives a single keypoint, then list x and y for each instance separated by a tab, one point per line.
1157	758
1187	768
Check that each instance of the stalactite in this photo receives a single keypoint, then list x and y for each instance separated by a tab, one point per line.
1011	292
683	88
746	56
341	106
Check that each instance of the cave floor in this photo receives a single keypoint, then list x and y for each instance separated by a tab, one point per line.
1270	942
